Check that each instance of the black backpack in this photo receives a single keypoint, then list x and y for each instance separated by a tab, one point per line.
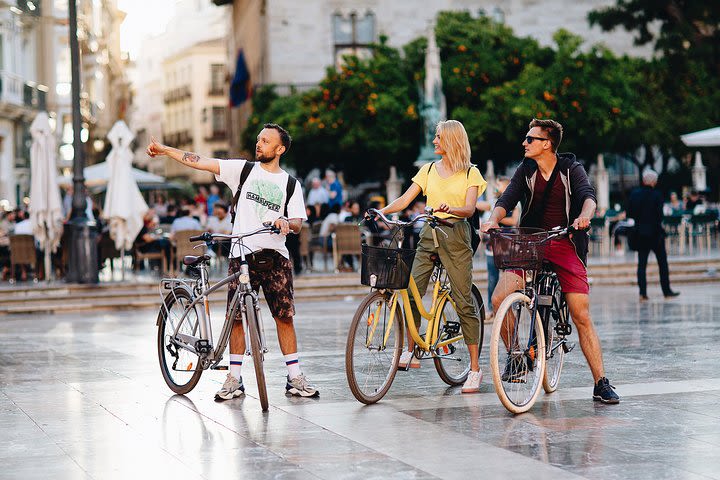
247	168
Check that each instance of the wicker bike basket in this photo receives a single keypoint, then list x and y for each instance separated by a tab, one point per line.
386	267
519	248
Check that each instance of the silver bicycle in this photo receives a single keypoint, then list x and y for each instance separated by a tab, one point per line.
185	340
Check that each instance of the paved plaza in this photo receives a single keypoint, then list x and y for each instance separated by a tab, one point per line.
81	396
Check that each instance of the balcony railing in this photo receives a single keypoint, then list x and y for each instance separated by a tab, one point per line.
11	89
177	139
177	94
16	96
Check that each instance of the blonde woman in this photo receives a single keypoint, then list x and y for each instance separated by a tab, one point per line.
452	186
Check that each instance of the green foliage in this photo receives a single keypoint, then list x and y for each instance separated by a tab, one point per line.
593	94
679	29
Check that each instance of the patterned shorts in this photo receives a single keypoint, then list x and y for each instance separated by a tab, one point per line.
276	283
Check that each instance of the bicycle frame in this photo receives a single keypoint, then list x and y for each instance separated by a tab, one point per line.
430	342
202	345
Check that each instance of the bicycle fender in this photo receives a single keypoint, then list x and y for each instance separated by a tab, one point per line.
168	296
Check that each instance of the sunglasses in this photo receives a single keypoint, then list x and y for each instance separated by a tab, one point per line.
530	139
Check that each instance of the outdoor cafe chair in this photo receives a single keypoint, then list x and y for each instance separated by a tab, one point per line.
22	253
600	235
346	240
675	234
701	229
183	246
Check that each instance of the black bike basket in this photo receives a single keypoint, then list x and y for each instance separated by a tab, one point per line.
386	267
519	248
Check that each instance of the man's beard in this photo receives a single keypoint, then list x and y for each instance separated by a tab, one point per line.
262	158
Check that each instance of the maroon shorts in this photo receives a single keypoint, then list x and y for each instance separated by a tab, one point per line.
571	272
276	283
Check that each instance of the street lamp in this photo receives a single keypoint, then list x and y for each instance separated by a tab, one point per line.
83	265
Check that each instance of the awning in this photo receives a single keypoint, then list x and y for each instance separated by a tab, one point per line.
703	138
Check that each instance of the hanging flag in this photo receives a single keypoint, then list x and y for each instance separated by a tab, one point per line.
240	88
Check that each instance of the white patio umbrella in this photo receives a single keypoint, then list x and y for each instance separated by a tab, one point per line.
99	175
703	138
124	205
45	204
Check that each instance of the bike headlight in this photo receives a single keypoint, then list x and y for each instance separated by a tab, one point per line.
244	278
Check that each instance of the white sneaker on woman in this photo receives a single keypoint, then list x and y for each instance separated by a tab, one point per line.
408	360
472	384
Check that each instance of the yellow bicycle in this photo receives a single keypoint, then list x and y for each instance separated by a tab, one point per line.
375	339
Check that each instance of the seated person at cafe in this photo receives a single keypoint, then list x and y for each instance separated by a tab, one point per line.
694	201
148	241
674	206
184	222
219	222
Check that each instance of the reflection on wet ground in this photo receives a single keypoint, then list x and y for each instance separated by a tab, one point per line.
81	396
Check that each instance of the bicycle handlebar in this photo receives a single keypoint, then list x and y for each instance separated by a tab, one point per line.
553	233
422	216
209	237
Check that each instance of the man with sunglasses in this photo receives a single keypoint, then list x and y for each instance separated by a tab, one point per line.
570	200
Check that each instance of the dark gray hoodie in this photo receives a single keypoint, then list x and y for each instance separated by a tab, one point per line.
577	190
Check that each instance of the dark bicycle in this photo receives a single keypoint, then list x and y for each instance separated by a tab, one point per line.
531	320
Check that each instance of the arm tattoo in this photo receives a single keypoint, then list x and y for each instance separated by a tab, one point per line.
189	157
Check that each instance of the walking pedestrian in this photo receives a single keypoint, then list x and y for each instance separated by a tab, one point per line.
645	206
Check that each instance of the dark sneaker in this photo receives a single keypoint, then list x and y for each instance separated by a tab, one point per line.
232	388
604	392
300	387
671	294
515	369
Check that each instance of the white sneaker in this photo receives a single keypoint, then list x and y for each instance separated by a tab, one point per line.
232	388
300	387
408	360
472	384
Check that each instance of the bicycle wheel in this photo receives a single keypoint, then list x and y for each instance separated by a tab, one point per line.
373	348
559	316
256	350
453	362
517	367
180	368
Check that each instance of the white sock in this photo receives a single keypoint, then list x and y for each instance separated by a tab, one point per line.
236	362
293	365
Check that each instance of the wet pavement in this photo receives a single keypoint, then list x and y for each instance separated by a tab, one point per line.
81	396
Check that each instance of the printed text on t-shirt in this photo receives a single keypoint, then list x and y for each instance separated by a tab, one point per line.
265	203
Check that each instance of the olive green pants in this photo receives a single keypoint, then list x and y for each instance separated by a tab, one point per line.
456	255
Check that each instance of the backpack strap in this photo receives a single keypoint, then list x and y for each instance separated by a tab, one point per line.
247	168
289	190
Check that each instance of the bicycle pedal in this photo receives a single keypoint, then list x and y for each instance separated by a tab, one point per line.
568	347
219	367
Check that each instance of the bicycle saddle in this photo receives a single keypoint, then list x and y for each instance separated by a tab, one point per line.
191	260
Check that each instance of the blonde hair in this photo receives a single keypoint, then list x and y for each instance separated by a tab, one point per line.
454	140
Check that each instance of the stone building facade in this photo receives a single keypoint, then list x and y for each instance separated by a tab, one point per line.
35	75
195	106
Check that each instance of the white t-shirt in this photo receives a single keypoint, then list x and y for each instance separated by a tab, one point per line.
262	199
